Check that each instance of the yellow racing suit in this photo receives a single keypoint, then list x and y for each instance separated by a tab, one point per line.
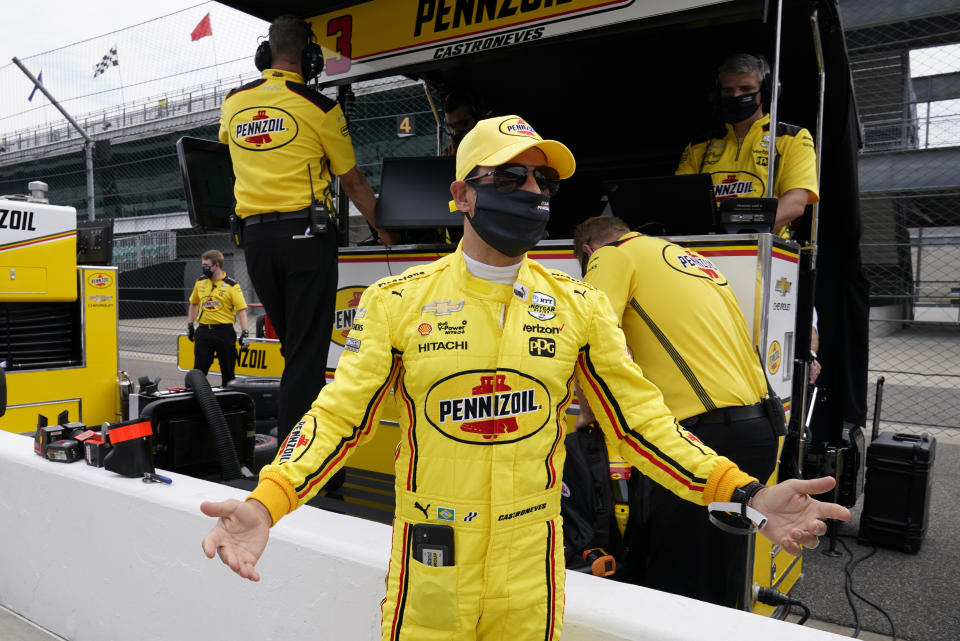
483	374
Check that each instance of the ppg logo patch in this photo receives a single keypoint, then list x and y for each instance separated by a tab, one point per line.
545	347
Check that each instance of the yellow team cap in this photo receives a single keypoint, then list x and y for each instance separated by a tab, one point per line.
494	141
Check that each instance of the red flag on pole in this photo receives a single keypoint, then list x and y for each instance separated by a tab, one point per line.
202	29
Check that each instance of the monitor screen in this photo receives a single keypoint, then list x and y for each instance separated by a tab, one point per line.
207	181
665	205
415	192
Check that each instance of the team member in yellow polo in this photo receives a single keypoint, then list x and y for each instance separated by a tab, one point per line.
287	142
215	302
477	539
737	156
685	330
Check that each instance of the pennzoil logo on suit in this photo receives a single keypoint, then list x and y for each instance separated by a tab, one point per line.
488	407
262	128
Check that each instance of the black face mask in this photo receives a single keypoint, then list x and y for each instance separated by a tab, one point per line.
734	109
510	223
207	271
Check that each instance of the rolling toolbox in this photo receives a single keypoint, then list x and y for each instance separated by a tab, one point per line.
897	494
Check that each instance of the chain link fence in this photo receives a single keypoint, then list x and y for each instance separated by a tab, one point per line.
906	74
135	110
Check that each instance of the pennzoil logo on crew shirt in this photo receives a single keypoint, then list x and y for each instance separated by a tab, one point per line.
262	128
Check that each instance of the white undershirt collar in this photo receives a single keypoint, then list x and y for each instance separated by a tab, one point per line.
496	274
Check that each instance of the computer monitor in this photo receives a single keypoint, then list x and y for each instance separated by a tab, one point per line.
665	205
208	179
415	193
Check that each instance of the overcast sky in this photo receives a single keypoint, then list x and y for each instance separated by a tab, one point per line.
55	23
157	59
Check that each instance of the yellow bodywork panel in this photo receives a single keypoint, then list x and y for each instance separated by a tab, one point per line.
38	252
89	391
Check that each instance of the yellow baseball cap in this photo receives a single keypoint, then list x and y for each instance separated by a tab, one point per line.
494	141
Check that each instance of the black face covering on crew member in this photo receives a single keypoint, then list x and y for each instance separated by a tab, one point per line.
207	271
734	109
510	223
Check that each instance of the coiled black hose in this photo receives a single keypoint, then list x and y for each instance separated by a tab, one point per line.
229	465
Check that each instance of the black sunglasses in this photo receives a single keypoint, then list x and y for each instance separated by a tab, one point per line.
511	176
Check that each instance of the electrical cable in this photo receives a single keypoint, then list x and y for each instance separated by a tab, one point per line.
771	596
848	588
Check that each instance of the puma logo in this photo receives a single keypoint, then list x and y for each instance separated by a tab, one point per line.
400	294
577	291
417	505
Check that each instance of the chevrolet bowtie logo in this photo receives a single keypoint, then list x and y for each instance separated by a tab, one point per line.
442	307
783	286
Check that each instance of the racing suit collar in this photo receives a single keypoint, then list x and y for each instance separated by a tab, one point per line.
480	288
271	74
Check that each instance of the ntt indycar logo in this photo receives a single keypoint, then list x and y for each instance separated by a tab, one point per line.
488	407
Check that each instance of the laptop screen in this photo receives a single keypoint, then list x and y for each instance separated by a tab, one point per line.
415	192
665	205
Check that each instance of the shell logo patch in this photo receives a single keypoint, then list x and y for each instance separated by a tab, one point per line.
100	280
488	407
345	312
774	355
424	329
262	128
518	127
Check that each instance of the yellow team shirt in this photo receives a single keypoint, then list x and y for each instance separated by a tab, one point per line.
219	302
739	168
282	136
682	322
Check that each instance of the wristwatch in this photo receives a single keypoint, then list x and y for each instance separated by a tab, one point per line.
743	495
745	519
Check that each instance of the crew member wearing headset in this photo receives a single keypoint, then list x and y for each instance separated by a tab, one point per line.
482	347
216	300
685	330
287	141
737	156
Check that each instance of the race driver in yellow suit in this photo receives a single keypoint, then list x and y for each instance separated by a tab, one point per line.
482	348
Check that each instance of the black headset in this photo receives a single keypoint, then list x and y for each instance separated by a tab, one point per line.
311	62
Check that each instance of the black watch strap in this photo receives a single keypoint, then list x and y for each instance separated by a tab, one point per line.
742	495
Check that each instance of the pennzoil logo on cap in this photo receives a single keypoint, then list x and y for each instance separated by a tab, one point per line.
518	127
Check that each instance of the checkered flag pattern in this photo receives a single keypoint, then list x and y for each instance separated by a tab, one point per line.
109	59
